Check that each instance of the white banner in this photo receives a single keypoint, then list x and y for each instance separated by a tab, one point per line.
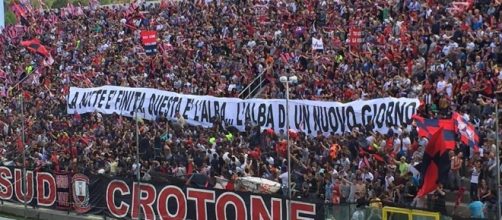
317	44
310	117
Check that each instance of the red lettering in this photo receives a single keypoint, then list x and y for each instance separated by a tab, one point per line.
123	208
230	198
260	212
201	197
145	201
175	193
18	188
46	198
298	208
5	184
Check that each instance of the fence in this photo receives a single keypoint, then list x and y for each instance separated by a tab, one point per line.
169	196
352	212
123	198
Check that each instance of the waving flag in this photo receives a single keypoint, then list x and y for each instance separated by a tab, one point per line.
34	46
435	164
12	32
428	127
131	10
20	12
467	131
287	57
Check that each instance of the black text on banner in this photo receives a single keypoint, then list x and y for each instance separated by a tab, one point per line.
311	117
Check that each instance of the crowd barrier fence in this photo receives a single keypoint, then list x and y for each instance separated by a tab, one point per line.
169	196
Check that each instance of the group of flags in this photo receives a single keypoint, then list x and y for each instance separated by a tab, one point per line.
455	125
441	135
23	9
71	10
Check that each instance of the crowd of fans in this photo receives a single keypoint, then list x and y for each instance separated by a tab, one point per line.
446	53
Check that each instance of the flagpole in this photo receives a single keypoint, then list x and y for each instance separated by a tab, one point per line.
20	81
138	168
497	155
290	170
21	99
287	80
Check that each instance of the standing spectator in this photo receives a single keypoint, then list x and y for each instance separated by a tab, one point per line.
456	163
475	176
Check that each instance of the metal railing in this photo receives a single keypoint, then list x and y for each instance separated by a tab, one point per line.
255	86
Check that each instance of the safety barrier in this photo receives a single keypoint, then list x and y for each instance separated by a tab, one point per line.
116	197
351	211
408	214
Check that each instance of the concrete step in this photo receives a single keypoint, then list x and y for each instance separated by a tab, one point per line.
43	213
461	210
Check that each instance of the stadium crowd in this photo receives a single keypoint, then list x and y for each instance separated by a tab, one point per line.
446	53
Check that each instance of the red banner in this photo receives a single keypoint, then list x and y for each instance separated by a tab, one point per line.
355	36
148	38
149	41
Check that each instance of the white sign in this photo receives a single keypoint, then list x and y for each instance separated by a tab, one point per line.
317	44
311	117
80	188
257	185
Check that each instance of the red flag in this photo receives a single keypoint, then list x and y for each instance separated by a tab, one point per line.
435	163
378	158
286	57
429	184
21	13
12	33
34	46
18	10
132	10
468	134
427	127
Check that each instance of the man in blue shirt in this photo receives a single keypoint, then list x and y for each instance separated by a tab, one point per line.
477	207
